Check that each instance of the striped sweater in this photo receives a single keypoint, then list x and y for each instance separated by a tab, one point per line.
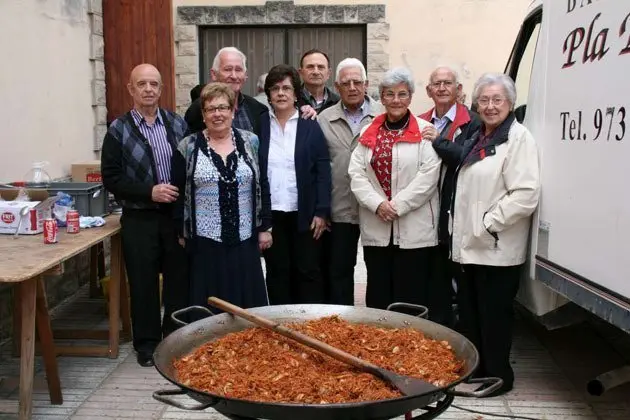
127	163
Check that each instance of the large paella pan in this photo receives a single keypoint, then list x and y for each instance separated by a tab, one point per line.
191	336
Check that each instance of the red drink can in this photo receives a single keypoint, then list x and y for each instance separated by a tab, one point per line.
33	219
72	221
50	231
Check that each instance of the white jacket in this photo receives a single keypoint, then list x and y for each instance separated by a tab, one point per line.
415	173
494	199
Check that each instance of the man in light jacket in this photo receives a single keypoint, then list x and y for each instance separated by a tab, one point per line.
341	124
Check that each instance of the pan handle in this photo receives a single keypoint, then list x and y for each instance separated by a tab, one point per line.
435	411
493	384
162	396
186	310
423	311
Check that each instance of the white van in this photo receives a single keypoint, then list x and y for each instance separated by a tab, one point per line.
571	64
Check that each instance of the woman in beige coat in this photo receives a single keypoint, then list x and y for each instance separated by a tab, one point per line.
394	176
496	191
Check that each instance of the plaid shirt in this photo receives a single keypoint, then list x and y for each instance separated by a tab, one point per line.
241	119
312	101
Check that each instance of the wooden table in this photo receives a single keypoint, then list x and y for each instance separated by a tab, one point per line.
24	262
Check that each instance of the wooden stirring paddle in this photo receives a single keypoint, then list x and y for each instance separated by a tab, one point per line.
405	384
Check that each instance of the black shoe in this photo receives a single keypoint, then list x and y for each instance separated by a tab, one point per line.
145	359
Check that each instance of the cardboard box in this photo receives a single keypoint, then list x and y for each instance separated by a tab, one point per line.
86	171
33	222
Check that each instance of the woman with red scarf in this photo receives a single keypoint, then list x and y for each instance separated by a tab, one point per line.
394	176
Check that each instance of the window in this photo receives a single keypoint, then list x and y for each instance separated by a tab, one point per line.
522	59
266	46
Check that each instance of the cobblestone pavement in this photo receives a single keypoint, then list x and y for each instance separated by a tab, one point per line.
551	370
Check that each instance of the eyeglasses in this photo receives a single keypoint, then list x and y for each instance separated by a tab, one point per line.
220	108
496	101
446	83
392	95
348	83
284	89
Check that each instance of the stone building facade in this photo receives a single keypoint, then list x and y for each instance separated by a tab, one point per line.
188	19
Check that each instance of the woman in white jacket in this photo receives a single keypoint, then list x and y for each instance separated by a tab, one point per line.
394	176
496	192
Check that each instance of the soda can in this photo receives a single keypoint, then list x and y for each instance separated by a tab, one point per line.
50	231
72	221
33	219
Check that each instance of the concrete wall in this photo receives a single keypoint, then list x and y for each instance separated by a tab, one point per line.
52	105
49	85
472	36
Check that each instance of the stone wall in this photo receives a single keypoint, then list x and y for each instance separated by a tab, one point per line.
189	18
97	56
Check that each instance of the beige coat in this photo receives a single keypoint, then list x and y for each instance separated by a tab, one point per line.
415	173
494	200
341	143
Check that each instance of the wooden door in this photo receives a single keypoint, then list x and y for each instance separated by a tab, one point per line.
266	46
263	47
137	32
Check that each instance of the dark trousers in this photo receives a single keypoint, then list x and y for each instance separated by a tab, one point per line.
397	275
293	263
441	292
150	247
341	249
486	315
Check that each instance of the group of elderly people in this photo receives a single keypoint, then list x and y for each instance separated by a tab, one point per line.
438	200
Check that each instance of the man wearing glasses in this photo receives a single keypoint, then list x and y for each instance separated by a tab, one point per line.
455	123
341	123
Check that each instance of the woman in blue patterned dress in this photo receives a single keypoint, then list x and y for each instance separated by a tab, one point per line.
224	214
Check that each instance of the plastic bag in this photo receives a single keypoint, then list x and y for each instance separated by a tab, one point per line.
62	205
22	195
37	175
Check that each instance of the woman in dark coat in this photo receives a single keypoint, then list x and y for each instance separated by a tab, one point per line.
300	186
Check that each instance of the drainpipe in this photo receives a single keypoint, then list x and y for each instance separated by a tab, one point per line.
609	380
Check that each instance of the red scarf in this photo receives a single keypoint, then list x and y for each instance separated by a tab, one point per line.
411	134
461	117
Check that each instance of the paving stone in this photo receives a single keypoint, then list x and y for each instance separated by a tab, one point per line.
549	385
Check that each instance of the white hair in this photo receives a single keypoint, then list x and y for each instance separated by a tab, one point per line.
260	84
396	76
489	79
450	70
217	58
350	63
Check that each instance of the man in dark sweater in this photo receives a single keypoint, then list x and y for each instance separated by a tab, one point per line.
453	123
135	164
229	66
315	72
